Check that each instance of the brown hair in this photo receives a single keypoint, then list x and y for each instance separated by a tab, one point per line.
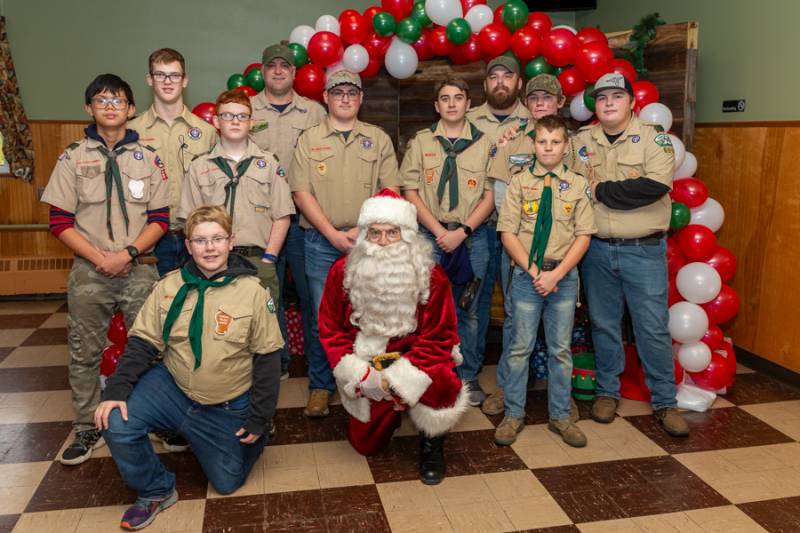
166	55
234	96
552	123
458	83
208	213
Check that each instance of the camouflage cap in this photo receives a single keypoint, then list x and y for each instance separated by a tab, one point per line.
508	63
277	50
342	77
544	82
612	80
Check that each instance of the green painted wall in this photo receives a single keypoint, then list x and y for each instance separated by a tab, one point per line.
59	46
747	49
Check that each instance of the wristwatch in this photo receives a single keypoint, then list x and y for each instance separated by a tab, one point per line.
466	229
133	252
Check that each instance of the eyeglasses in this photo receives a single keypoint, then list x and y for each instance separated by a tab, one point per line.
339	94
161	77
391	234
228	117
217	240
104	101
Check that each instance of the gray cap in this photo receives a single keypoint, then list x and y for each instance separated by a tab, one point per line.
342	77
508	63
612	80
543	82
275	51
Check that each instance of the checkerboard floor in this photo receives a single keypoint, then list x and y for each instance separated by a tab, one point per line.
739	471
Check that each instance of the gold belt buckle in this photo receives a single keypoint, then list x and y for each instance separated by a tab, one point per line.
385	360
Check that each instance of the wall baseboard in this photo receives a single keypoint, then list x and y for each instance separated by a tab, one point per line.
765	366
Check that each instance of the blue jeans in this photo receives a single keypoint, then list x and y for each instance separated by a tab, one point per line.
485	297
171	253
478	246
508	311
293	256
157	402
320	256
557	310
637	275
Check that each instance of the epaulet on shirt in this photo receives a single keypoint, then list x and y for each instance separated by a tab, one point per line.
147	146
277	160
73	146
658	127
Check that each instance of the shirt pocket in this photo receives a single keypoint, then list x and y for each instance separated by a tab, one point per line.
472	175
232	324
321	163
257	189
367	166
630	166
565	204
91	184
431	168
211	186
136	184
180	328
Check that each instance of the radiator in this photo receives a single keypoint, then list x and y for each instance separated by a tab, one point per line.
34	275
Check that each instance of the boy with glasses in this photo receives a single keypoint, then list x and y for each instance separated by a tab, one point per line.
109	204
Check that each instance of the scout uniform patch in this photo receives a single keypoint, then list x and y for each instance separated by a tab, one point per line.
260	127
260	209
583	153
588	192
137	189
271	306
520	159
429	176
366	144
530	208
281	172
493	150
322	168
563	185
138	155
472	183
195	133
260	163
567	208
222	321
635	139
662	139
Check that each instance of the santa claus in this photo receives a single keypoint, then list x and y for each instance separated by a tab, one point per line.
388	325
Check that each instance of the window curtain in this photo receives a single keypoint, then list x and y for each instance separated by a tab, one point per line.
18	140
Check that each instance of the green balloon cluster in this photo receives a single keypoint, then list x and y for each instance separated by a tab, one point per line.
384	23
515	14
255	79
536	66
409	29
588	99
680	216
236	80
299	53
418	13
458	31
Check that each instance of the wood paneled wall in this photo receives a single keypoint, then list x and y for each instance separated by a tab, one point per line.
752	170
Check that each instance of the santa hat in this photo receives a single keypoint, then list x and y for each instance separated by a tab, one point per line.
388	207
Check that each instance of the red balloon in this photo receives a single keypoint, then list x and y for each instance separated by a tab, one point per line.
675	258
250	67
498	13
246	89
399	9
109	359
466	53
697	242
717	374
559	47
592	35
724	307
526	43
673	296
690	191
117	332
494	39
373	67
624	67
714	338
466	5
593	60
369	13
376	45
423	46
353	27
571	81
540	22
645	92
309	81
440	44
206	111
325	48
723	262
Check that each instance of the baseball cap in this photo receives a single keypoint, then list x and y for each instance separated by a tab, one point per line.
341	77
612	80
275	51
508	63
543	82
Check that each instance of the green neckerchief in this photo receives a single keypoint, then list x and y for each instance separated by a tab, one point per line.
450	169
114	179
230	188
544	222
191	281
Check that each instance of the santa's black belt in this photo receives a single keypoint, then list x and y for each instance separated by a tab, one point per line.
248	250
647	240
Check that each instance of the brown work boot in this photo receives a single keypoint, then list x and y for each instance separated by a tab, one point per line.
506	432
672	422
317	405
574	415
494	404
604	409
570	433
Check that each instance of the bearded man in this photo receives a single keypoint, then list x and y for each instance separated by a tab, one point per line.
387	322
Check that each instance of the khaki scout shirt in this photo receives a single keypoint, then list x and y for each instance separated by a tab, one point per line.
178	144
571	209
485	120
278	132
641	150
422	169
77	185
517	155
237	323
342	174
262	195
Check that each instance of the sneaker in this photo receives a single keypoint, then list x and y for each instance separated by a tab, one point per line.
171	441
80	449
506	433
494	404
570	433
272	430
317	405
284	375
143	512
671	420
604	409
475	396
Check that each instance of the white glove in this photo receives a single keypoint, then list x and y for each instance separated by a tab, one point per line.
371	386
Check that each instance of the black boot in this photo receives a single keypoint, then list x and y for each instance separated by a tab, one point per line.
431	459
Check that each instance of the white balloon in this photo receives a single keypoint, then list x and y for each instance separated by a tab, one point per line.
698	282
688	322
327	23
479	16
688	167
401	59
443	11
339	65
709	214
566	27
657	113
694	356
301	35
578	109
355	58
680	150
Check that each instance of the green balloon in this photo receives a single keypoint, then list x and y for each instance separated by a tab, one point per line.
300	54
418	13
409	30
680	215
515	14
458	31
384	23
236	80
536	66
419	2
255	79
588	99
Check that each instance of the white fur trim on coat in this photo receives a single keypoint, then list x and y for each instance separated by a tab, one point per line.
348	374
387	210
358	408
366	347
434	422
458	358
407	381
